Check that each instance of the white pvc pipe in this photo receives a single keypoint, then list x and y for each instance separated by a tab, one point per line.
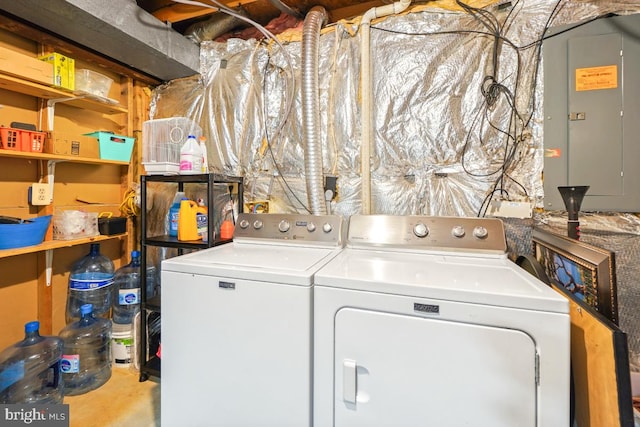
366	93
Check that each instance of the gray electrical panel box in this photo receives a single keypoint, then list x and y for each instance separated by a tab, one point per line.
592	113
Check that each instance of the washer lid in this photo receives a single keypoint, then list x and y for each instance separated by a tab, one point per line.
487	280
294	265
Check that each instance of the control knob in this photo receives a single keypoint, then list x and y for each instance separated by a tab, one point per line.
458	231
480	232
311	227
257	224
327	227
420	230
284	226
244	223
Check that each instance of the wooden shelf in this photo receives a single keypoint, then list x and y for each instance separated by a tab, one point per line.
57	157
26	87
56	244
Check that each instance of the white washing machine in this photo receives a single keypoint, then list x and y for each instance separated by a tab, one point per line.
237	324
424	321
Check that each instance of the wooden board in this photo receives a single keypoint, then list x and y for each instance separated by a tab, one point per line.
600	377
26	293
600	367
18	298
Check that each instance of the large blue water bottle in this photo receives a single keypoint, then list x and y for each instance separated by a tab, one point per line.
30	369
86	357
90	282
126	287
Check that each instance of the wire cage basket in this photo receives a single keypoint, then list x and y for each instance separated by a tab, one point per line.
161	143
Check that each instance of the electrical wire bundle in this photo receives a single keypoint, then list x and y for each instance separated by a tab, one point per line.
130	205
495	91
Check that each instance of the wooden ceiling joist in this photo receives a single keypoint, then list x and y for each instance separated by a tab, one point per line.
179	12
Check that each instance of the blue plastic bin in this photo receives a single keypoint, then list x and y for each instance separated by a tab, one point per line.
112	146
25	234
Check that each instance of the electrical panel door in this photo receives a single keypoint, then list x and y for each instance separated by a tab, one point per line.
595	114
592	113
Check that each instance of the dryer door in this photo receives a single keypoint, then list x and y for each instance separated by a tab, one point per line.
399	370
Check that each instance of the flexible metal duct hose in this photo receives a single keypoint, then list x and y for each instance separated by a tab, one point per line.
219	24
313	22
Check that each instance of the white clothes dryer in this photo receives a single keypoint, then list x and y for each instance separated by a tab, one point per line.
236	324
424	321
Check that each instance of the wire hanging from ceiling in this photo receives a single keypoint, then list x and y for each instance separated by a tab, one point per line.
494	88
289	85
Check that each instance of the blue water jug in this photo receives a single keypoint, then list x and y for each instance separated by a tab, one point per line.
86	356
126	287
30	369
90	282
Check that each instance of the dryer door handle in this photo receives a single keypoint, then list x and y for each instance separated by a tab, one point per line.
349	380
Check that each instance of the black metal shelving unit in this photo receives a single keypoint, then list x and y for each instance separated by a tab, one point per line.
151	307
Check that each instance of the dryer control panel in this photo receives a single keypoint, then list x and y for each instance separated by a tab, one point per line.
291	228
425	232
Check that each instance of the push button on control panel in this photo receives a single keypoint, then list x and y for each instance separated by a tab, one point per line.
458	231
420	230
480	232
284	226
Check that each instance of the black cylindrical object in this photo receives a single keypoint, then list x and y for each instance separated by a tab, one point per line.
572	197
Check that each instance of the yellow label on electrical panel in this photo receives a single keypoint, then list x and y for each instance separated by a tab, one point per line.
595	78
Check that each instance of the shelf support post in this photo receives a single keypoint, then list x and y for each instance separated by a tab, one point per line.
48	262
45	291
51	171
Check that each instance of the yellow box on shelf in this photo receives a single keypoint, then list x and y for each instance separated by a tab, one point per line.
64	70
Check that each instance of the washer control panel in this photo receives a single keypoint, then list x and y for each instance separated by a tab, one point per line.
292	228
424	232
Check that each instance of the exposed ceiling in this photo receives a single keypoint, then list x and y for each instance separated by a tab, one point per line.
181	15
149	35
156	37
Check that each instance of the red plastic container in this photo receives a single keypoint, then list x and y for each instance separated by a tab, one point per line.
37	141
10	138
31	141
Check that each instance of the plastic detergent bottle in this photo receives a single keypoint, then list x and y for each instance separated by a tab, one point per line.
187	223
174	213
202	221
90	283
30	369
226	229
126	287
203	149
190	157
86	354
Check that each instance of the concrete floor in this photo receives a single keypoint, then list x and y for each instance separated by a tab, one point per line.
121	401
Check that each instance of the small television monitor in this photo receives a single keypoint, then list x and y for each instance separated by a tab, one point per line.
586	271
